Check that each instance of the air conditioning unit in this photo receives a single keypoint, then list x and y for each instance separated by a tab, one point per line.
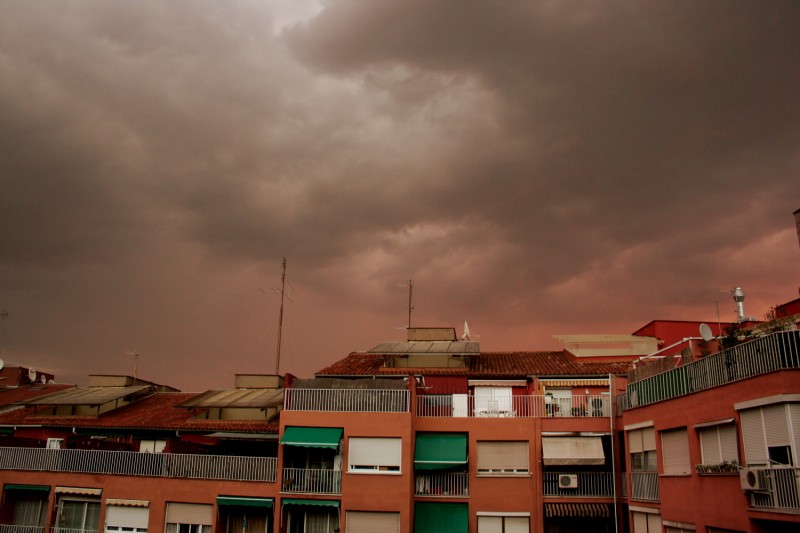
752	479
568	481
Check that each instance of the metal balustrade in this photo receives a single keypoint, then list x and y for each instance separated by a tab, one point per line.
644	486
234	468
10	528
347	400
773	352
517	406
781	490
57	529
446	484
312	480
587	484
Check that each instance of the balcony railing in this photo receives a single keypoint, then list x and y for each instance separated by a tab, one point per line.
235	468
760	356
781	490
446	484
312	480
533	406
644	486
57	529
347	400
588	484
10	528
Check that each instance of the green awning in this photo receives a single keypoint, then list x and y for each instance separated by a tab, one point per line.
431	517
312	437
37	488
319	503
244	501
437	451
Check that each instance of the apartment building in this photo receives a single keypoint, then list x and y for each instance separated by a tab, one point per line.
658	431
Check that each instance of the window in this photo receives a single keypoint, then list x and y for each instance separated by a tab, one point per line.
503	524
766	436
675	451
718	443
493	401
503	457
78	513
127	518
55	444
374	454
152	446
642	444
188	518
646	522
372	522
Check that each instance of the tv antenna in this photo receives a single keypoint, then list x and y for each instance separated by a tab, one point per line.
280	318
410	307
135	356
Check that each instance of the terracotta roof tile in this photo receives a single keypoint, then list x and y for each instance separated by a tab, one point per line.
154	412
506	364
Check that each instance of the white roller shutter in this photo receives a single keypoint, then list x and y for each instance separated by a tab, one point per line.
753	440
118	517
366	452
776	426
190	513
675	451
372	522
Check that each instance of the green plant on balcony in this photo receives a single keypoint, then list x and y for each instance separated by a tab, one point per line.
725	467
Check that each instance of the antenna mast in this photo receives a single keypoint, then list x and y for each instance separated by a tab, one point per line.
280	319
410	307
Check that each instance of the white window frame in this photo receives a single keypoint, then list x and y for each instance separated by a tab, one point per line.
55	444
375	455
488	518
152	445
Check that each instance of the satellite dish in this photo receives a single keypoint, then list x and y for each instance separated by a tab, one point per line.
32	374
51	381
2	364
706	332
43	378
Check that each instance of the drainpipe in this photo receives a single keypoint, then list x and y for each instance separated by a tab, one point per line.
613	404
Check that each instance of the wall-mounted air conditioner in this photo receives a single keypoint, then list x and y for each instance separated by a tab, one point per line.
568	481
752	479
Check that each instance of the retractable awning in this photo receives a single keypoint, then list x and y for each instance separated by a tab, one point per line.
83	491
438	451
312	437
36	488
572	451
318	503
434	517
594	510
244	501
127	503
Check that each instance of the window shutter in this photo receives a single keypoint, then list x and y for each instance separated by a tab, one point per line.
675	451
369	451
727	442
125	516
517	524
654	523
369	522
503	455
776	425
755	447
710	446
639	522
490	524
635	441
649	438
189	513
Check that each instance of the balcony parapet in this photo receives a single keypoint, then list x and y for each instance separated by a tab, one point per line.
442	484
776	489
644	486
777	351
529	406
347	400
311	481
578	484
233	468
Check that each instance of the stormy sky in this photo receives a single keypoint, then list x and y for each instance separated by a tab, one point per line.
536	168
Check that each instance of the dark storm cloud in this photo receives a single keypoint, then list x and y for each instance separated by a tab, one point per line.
526	163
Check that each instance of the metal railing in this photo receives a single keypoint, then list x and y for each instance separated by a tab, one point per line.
773	352
10	528
532	406
57	529
587	484
312	480
781	489
347	400
644	486
447	484
235	468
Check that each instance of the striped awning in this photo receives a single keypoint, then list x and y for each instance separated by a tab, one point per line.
592	510
589	382
84	491
127	503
